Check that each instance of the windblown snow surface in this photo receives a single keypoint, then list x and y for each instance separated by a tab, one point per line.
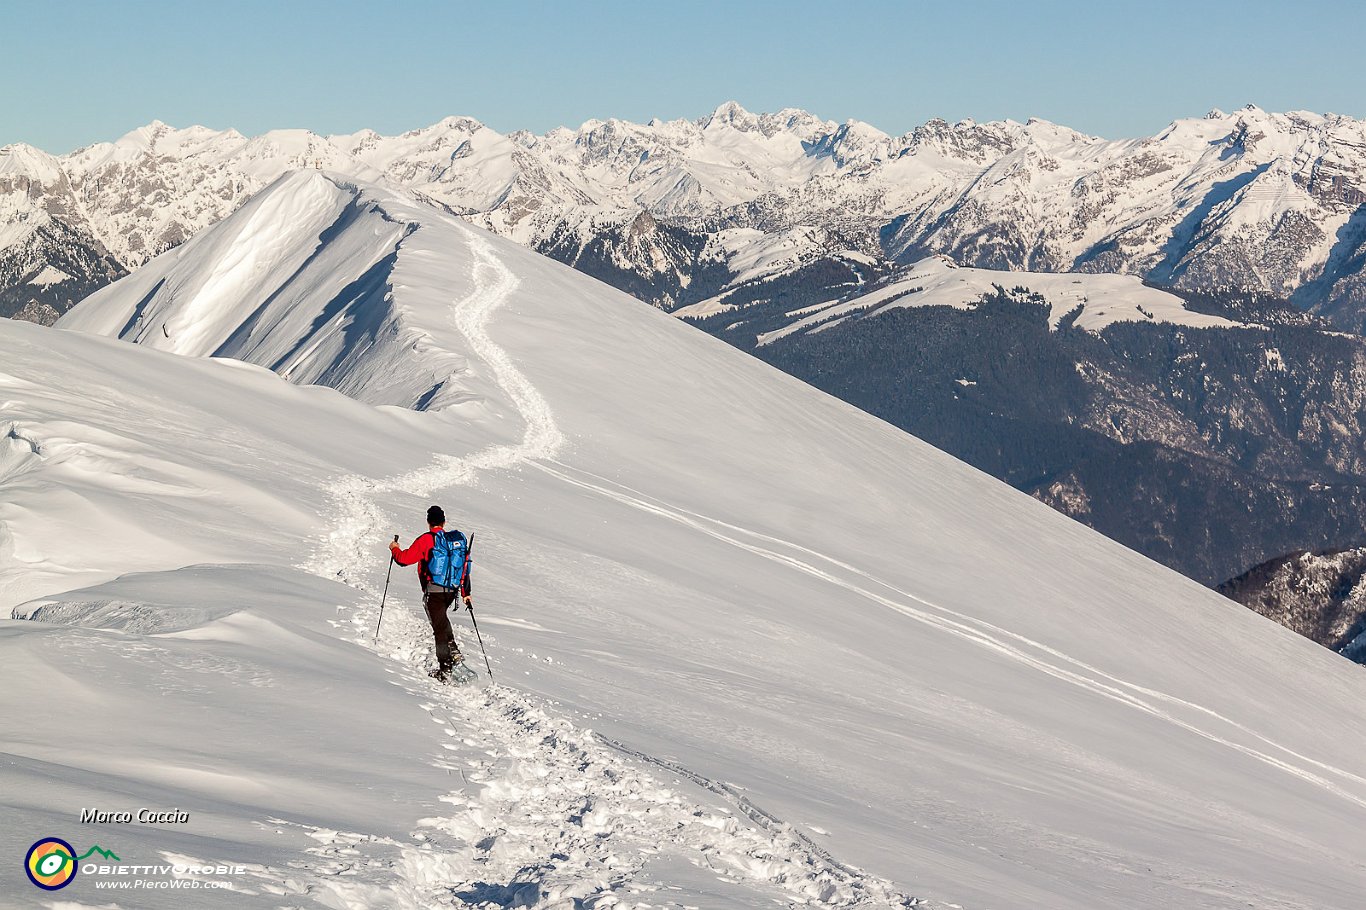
752	647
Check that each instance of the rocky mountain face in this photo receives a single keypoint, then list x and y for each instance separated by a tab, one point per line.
50	258
1320	595
681	212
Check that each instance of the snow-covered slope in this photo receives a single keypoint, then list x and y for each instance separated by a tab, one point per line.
823	663
377	334
1091	301
1249	199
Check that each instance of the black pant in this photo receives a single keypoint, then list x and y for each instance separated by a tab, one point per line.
437	603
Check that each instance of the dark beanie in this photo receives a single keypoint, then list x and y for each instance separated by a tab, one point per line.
435	516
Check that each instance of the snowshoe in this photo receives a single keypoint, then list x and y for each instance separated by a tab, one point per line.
461	673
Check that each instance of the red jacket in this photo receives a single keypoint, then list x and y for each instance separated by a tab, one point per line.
418	553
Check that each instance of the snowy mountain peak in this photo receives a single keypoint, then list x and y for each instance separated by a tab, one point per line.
1055	134
144	138
158	140
852	142
802	124
788	120
23	160
967	140
730	113
460	125
524	138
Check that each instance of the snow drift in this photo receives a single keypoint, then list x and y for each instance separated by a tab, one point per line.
822	662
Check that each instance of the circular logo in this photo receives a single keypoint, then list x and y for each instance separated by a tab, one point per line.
51	863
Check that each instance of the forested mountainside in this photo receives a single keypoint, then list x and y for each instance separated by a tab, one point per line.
1319	595
1209	448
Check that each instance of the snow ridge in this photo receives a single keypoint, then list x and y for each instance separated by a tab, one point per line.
349	543
583	799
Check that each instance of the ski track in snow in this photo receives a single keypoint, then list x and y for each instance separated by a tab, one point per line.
979	632
548	815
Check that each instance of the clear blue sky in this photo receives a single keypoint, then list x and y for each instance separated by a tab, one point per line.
79	72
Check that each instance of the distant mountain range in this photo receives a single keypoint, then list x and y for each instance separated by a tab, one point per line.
683	212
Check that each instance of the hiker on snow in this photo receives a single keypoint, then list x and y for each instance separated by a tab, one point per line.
441	560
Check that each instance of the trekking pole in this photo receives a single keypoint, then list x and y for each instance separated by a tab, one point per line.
385	595
469	605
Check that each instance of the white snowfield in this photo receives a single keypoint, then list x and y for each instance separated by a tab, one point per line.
1097	300
753	647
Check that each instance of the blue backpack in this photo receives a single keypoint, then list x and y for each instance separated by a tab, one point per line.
446	565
